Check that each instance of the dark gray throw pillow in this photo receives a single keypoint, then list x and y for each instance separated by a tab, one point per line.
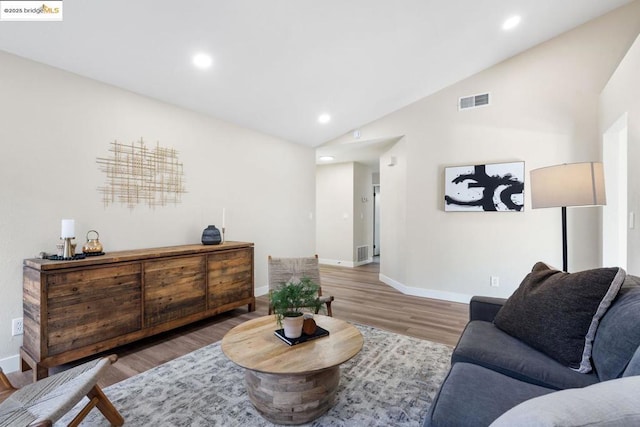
558	313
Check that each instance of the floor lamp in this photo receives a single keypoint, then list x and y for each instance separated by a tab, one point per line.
573	184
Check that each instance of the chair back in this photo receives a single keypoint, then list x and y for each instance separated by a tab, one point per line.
283	270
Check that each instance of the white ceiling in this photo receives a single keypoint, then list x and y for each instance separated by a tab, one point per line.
278	64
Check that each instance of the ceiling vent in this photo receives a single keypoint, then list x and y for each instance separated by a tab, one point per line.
473	101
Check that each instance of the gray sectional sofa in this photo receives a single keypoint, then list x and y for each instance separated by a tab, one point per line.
498	379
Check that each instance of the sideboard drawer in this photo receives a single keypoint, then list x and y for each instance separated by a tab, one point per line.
91	305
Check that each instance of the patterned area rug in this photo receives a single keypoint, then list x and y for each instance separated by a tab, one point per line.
392	381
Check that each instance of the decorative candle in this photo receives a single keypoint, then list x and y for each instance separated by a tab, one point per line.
68	228
223	217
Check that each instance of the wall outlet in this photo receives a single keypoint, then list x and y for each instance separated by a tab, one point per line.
495	281
17	326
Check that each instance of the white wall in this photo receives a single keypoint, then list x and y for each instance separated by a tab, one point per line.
334	213
55	124
393	216
622	95
543	111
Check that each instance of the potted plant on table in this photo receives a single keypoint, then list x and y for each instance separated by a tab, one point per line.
288	302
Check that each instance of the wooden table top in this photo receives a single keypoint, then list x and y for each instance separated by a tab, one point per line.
254	346
133	255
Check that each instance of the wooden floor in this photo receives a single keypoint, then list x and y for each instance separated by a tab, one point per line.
359	297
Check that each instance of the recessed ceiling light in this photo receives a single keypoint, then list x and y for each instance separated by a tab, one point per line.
324	118
325	158
202	60
511	23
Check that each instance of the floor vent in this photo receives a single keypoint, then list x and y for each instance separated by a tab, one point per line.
473	101
362	253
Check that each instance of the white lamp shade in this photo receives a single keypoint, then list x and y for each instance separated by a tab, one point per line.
573	184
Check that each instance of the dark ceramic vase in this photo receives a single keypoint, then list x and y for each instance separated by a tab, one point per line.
211	236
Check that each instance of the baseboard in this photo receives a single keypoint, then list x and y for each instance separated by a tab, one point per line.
425	293
336	262
10	364
344	263
367	261
262	290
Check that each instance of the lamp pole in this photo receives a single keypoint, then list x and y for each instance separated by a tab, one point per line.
564	240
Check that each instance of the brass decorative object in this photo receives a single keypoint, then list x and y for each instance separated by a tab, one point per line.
93	246
137	174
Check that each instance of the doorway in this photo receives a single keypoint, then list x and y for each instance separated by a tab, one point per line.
376	222
614	213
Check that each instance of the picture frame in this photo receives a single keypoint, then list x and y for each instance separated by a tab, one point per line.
493	187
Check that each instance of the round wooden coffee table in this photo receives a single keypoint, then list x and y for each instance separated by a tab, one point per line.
291	384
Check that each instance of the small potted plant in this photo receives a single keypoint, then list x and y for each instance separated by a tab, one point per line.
288	302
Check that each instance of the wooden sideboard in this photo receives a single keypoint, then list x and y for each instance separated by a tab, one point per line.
74	309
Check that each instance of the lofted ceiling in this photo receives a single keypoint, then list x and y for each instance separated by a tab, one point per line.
278	64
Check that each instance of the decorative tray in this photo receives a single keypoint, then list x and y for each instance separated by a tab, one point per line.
319	333
75	257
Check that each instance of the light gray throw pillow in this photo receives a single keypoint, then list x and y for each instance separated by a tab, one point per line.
611	403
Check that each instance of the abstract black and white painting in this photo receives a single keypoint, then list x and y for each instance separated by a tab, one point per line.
492	187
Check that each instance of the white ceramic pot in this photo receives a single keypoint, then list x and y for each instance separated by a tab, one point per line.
292	326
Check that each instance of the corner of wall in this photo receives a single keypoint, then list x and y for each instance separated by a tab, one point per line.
426	293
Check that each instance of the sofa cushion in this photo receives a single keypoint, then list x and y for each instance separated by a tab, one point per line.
483	344
558	313
633	368
609	403
618	335
474	396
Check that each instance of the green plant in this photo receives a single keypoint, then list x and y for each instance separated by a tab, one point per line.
290	298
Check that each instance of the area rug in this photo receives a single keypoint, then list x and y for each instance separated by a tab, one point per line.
391	382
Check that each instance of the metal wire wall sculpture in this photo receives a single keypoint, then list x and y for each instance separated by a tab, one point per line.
136	174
